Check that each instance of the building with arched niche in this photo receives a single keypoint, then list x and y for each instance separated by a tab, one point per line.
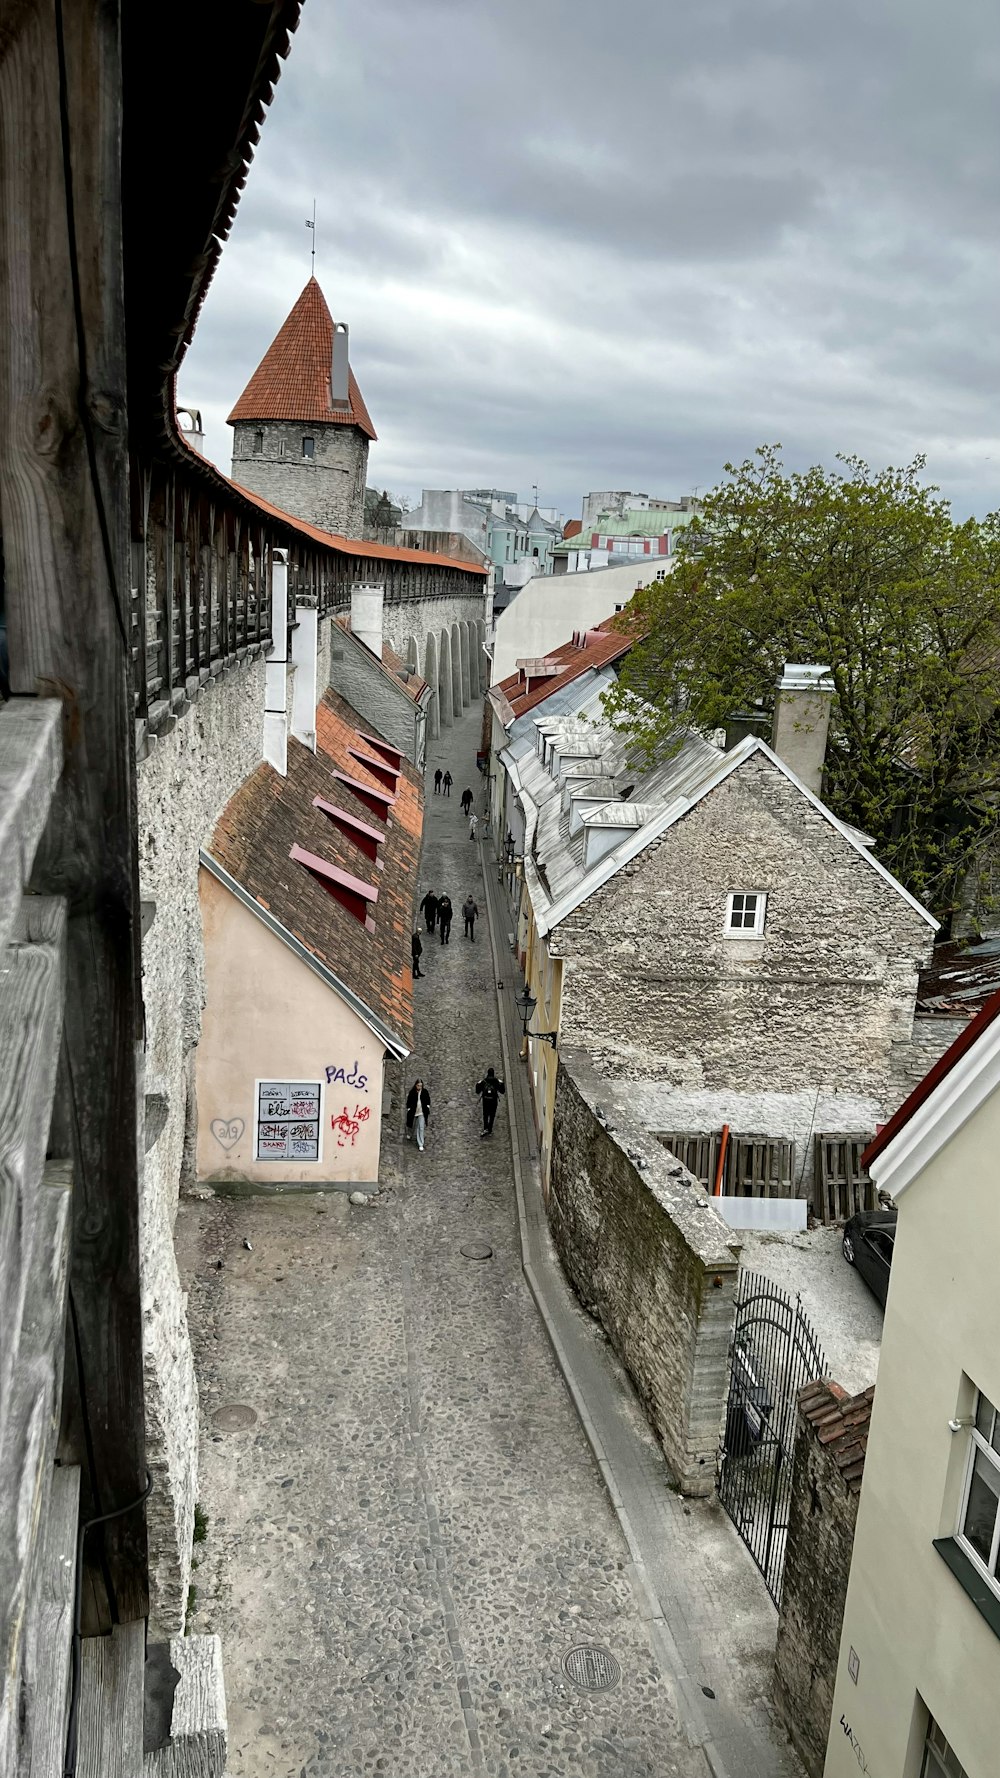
301	427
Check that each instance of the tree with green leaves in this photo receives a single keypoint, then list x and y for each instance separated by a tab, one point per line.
867	573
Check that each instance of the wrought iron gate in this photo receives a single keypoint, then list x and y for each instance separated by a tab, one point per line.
774	1351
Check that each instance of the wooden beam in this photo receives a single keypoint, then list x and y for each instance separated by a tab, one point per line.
30	763
47	1680
110	1744
65	514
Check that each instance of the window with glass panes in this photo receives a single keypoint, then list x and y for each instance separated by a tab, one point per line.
745	911
939	1759
979	1526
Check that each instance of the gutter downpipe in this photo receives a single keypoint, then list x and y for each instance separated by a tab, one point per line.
721	1163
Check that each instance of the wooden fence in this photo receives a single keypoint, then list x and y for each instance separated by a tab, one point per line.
755	1166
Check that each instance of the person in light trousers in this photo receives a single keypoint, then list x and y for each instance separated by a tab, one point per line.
418	1112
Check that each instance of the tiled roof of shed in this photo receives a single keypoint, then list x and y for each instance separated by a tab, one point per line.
269	815
840	1422
292	380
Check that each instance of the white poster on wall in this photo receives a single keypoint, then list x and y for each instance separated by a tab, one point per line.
289	1119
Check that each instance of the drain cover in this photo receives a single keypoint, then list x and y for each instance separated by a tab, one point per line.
477	1250
235	1418
592	1669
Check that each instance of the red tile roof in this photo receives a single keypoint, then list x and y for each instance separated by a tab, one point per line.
935	1074
354	546
596	648
269	816
840	1423
292	380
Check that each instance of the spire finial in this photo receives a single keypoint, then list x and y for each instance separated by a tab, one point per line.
312	225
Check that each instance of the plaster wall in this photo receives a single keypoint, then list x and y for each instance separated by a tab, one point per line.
268	1016
922	1643
547	610
184	782
327	489
657	991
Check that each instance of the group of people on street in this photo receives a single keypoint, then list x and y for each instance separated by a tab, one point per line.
437	914
418	1106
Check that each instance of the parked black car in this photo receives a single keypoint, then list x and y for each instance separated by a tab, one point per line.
868	1243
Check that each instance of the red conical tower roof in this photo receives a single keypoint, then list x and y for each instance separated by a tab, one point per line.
292	380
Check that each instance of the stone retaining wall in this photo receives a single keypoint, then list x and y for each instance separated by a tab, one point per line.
650	1259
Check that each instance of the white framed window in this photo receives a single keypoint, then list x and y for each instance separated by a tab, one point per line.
939	1759
745	910
979	1520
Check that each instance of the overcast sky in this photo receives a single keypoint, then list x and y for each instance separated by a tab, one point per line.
614	243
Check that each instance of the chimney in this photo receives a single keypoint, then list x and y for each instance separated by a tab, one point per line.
367	604
189	421
338	366
802	721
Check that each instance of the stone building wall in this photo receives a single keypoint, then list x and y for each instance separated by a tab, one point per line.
656	991
650	1259
327	489
356	675
183	783
830	1445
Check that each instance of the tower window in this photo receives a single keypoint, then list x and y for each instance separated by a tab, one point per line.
258	442
308	447
281	447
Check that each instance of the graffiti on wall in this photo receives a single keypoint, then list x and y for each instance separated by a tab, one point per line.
227	1131
347	1127
288	1120
350	1077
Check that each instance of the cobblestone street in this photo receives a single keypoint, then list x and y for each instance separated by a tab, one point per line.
412	1536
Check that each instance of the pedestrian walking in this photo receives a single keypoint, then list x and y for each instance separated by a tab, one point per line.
437	782
444	918
447	781
429	908
469	912
473	825
418	1113
489	1090
466	801
416	952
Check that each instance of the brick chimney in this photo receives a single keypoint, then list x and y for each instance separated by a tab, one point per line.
802	721
367	604
339	396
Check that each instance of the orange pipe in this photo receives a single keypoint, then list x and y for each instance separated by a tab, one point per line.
723	1145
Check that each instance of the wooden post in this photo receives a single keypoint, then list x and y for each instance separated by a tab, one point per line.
64	509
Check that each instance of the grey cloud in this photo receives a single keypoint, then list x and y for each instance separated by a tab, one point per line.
577	241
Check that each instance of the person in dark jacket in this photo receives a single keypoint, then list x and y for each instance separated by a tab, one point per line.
418	1112
416	952
429	908
489	1090
469	912
466	801
447	781
444	918
437	782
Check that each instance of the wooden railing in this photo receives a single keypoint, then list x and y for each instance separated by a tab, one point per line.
39	1500
201	581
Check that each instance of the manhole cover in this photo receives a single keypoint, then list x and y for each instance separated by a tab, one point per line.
235	1418
592	1669
477	1250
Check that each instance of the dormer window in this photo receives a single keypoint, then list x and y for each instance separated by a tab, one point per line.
308	447
357	897
745	913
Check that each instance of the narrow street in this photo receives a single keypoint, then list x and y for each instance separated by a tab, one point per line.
411	1534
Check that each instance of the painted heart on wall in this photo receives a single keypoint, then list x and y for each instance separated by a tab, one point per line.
227	1131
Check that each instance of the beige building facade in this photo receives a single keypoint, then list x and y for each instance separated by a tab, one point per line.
298	1099
918	1683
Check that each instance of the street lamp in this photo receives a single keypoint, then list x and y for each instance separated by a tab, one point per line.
526	1004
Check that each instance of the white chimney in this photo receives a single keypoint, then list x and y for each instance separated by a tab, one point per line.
367	603
190	422
339	396
802	721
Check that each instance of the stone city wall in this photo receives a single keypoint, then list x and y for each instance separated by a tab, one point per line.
183	783
650	1259
826	1484
656	991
